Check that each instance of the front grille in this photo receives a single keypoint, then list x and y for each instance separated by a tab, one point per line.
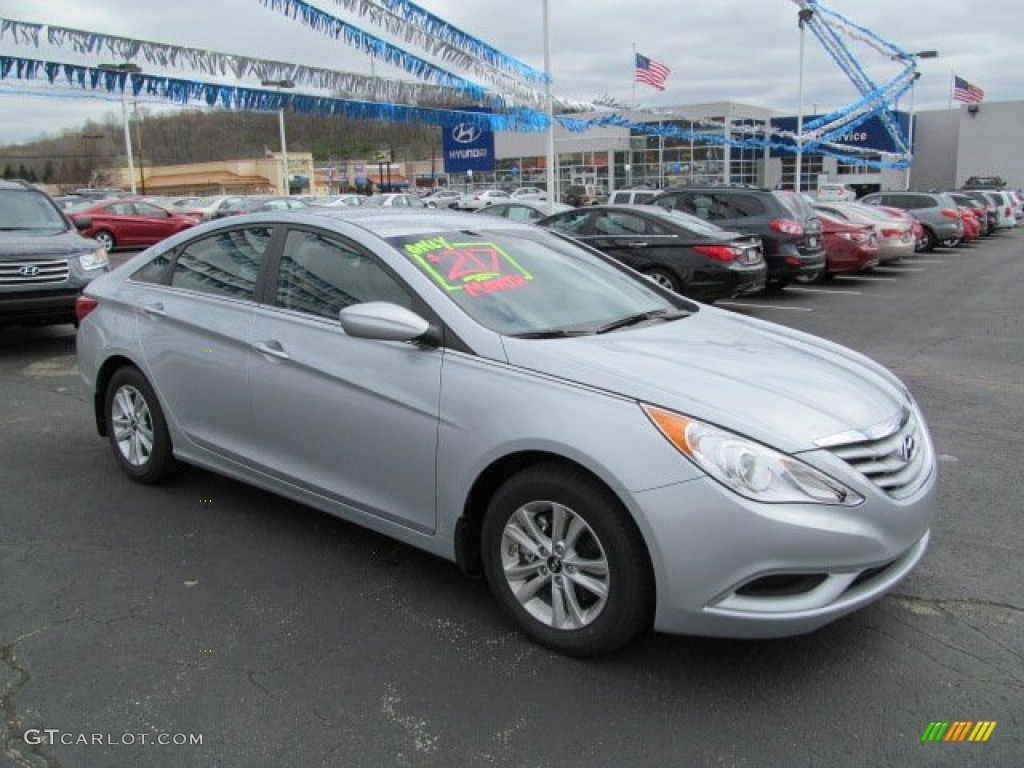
898	461
24	273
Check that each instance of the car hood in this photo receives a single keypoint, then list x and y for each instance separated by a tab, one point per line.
781	387
18	245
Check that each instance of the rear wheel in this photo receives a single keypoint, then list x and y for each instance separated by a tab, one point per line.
566	562
777	285
136	427
664	278
927	242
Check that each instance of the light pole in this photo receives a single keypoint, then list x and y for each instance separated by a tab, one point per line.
910	117
804	15
550	178
279	84
126	70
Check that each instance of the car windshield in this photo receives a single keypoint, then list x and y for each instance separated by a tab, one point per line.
532	283
29	210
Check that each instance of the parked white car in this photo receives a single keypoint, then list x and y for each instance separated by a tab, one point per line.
839	193
481	198
529	193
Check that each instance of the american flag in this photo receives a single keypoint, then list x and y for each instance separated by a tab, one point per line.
651	72
964	91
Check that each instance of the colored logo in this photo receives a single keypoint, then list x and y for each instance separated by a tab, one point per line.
958	730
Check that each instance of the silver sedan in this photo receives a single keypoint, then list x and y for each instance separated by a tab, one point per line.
611	456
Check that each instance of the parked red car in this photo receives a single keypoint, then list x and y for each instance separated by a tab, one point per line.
849	247
128	223
972	227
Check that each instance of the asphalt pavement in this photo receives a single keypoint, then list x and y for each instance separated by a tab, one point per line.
206	623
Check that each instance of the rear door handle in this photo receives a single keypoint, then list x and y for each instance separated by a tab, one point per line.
272	348
155	310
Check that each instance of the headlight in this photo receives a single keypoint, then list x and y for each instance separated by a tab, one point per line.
93	259
748	468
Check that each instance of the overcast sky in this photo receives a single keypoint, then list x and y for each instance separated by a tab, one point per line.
745	51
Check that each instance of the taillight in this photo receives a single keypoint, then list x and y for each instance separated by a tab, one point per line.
84	305
718	252
950	214
787	227
891	232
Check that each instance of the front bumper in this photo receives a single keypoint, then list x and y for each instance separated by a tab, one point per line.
38	307
726	566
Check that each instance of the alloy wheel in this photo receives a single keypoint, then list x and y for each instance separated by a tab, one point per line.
132	424
555	565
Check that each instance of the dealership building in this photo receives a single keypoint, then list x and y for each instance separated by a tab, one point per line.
950	146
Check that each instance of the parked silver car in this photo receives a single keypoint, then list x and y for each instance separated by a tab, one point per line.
610	455
937	211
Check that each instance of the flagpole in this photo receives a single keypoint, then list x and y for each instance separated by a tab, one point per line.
635	105
952	81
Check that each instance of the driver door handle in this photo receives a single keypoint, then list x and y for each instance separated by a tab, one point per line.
272	348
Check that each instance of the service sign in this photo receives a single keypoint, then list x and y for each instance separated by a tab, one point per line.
871	134
468	147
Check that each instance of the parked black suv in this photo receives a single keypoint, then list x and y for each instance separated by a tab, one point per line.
789	228
44	262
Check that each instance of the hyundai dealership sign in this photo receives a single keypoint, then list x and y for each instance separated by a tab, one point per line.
468	147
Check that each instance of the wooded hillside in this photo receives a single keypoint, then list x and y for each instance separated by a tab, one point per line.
83	156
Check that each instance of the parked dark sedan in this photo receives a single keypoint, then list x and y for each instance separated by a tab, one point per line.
788	227
678	251
124	223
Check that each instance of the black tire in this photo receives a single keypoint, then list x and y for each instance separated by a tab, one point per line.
664	278
928	241
598	570
136	428
777	285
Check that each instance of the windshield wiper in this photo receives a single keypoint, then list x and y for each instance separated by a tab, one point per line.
642	317
551	333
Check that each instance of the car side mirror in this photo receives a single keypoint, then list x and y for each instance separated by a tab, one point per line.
384	321
81	223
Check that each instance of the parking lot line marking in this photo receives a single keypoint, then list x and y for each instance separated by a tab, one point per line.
929	261
823	290
864	277
900	269
761	306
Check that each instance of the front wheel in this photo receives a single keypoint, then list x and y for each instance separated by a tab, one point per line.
137	429
566	562
106	239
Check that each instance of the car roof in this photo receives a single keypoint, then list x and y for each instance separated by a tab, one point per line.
398	222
